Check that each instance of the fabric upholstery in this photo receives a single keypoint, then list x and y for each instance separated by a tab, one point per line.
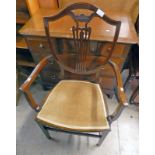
75	105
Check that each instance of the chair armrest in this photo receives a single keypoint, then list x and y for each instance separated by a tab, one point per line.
120	89
26	85
120	93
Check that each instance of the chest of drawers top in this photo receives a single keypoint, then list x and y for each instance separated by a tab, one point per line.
62	28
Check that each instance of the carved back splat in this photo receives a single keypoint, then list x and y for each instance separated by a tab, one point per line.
81	37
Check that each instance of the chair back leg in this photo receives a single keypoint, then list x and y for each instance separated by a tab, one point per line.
134	94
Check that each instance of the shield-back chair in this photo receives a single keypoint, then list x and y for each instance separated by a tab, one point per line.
78	106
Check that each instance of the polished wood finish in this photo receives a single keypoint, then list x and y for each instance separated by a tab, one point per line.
34	74
81	39
35	5
50	4
25	87
23	56
40	48
130	7
34	34
25	63
76	105
35	27
20	43
22	14
120	89
21	17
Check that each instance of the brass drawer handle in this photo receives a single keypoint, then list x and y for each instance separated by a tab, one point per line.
52	61
53	76
41	45
109	48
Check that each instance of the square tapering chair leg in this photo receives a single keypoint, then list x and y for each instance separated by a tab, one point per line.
45	131
104	134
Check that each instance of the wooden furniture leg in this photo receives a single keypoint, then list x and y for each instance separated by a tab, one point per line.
104	134
45	131
134	94
127	80
18	93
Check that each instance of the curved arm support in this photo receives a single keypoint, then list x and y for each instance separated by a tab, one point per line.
26	85
120	89
120	93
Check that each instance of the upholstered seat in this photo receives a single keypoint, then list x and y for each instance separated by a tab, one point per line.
75	105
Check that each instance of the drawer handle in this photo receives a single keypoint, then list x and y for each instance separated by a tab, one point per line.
51	61
109	48
53	76
41	45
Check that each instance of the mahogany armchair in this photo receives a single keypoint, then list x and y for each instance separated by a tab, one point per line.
78	106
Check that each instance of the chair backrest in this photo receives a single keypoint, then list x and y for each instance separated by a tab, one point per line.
79	59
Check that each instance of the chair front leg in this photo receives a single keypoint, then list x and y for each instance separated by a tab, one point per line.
45	131
120	95
116	113
31	101
104	134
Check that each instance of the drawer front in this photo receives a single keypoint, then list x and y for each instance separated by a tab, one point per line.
39	49
108	82
108	71
120	50
50	76
38	44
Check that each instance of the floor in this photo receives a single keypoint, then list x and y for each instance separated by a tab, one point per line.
122	140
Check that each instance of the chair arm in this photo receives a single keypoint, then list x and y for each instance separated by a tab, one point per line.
26	85
120	92
120	89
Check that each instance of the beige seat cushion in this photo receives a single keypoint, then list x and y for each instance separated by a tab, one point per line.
75	105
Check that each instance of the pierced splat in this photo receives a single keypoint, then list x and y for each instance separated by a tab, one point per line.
81	36
82	61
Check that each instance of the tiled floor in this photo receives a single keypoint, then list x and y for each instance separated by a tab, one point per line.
122	140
